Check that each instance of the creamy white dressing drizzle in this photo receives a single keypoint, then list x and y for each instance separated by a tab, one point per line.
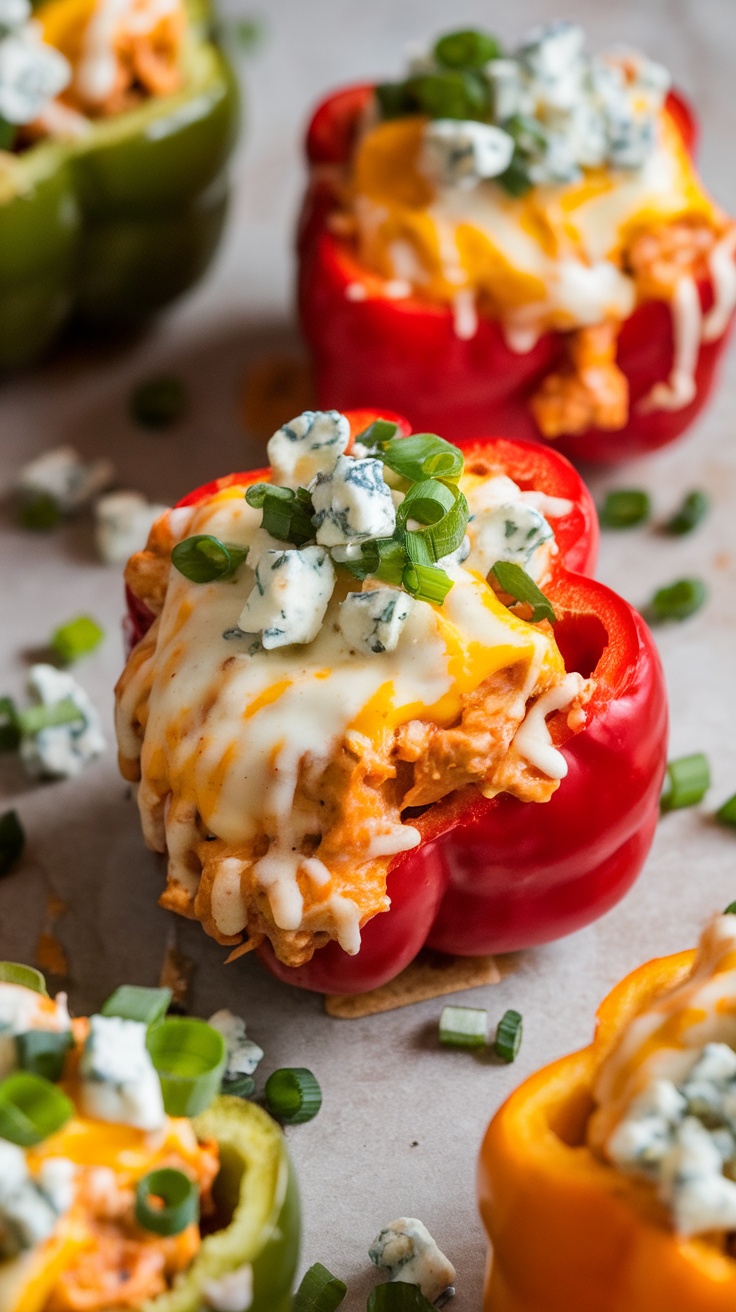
687	320
533	740
722	268
465	315
518	339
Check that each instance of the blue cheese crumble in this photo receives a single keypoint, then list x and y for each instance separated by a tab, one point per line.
28	1211
290	596
243	1055
352	503
307	446
20	1011
119	1080
61	751
31	73
461	152
62	475
373	621
406	1249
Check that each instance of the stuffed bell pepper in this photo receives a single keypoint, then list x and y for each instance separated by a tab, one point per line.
116	122
126	1180
369	706
516	242
608	1180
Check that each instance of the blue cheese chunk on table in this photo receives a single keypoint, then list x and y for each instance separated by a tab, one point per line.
406	1249
373	621
65	478
290	596
243	1055
61	751
119	1080
307	446
352	503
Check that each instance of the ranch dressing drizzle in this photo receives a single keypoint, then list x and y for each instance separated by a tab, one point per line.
723	274
687	319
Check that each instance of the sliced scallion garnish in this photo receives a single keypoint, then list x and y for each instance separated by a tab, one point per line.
421	456
36	718
380	558
293	1095
466	49
132	1002
43	1052
40	513
10	734
12	840
686	782
730	910
677	601
166	1202
464	1027
694	508
398	1296
287	514
159	402
377	433
442	510
190	1058
205	559
625	508
31	1109
514	580
77	638
319	1291
238	1085
726	814
26	977
508	1035
427	583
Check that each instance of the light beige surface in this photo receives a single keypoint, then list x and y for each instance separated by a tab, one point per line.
402	1121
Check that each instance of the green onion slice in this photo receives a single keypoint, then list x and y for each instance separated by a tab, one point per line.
677	601
43	1052
159	402
427	583
726	814
466	49
428	501
10	734
131	1002
205	559
695	506
40	513
77	638
190	1058
166	1202
508	1035
287	514
238	1085
35	718
444	512
319	1291
730	910
515	580
421	456
378	433
382	558
464	1027
686	782
625	508
12	840
31	1109
397	1296
293	1095
26	977
450	93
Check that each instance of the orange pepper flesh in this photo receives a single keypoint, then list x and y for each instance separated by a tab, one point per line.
569	1232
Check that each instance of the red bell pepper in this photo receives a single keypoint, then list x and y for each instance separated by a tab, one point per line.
496	875
406	352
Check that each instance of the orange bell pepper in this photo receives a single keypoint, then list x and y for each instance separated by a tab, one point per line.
569	1232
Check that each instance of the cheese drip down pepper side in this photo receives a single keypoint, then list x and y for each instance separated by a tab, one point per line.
300	790
606	1182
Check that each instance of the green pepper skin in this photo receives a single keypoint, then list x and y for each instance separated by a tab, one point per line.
112	227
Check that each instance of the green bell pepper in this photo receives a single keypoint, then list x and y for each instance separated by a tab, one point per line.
258	1208
111	227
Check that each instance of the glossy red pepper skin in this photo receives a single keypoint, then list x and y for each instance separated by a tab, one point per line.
407	353
497	875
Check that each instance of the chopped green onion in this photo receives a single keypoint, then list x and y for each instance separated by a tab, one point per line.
686	782
677	601
730	910
132	1002
428	502
444	512
287	514
10	734
35	718
205	559
190	1058
7	133
508	1036
516	181
423	455
40	513
319	1291
77	638
159	402
382	558
450	93
238	1085
31	1109
293	1095
464	1027
393	100
26	977
12	840
398	1296
43	1052
514	580
378	433
176	1204
427	583
726	814
467	49
625	508
694	508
